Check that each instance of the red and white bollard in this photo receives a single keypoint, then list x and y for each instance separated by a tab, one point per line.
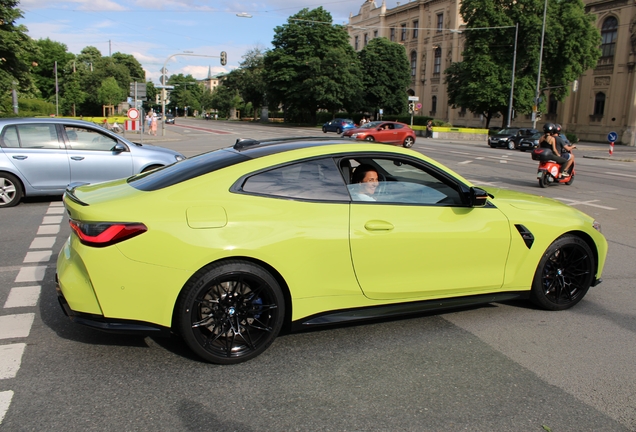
611	149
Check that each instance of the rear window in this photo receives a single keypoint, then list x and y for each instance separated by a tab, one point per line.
186	170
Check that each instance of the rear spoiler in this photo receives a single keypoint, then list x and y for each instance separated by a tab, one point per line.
70	193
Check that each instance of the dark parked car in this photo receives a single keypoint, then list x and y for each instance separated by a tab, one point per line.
169	119
510	137
338	125
529	143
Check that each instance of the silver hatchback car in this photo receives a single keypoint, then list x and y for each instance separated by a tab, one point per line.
43	156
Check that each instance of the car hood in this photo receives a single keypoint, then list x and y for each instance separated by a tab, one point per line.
497	136
157	149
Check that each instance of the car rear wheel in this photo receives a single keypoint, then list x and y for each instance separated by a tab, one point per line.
10	190
339	131
408	142
324	129
564	274
230	312
370	138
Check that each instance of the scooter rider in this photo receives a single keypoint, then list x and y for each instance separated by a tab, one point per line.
548	140
565	148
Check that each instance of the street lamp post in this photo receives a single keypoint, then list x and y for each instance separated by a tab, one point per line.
163	89
536	95
512	81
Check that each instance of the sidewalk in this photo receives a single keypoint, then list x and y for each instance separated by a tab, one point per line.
134	136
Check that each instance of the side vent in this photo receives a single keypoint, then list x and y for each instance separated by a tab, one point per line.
526	235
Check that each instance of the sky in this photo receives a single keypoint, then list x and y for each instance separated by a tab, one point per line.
154	30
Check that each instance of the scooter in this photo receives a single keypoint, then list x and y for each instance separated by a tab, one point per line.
549	171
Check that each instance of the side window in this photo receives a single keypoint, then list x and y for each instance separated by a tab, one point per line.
38	136
80	138
10	137
311	180
402	182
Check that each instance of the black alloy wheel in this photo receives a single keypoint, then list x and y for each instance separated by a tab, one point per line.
564	274
230	312
10	190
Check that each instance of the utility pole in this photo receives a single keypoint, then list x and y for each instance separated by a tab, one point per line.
535	108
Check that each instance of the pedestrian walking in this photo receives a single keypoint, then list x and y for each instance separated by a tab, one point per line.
429	129
149	121
153	124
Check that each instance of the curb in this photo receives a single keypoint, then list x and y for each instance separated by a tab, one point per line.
609	158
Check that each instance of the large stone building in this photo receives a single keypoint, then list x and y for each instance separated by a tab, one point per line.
606	97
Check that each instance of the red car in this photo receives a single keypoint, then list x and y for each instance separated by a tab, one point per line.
384	132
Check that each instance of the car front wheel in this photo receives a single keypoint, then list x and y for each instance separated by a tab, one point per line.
10	190
324	129
408	142
370	138
511	145
564	274
230	312
339	131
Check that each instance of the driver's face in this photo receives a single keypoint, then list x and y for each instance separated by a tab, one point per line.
370	182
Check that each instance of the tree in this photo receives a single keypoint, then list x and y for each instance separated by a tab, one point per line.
481	82
187	92
386	76
312	65
110	93
18	52
73	94
44	72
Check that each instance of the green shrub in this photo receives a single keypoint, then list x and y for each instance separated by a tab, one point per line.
35	107
572	138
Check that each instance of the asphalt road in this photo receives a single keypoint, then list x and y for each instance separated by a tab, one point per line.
501	367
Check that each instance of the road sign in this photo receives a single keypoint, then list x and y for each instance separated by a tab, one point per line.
414	98
418	106
133	114
612	137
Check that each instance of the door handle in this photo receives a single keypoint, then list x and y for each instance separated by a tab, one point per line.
378	225
77	158
20	157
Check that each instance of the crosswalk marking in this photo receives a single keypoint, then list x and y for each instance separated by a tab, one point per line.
16	326
10	359
23	296
48	229
38	256
31	274
42	243
5	401
47	220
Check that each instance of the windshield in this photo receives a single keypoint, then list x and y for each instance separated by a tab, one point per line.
371	125
508	132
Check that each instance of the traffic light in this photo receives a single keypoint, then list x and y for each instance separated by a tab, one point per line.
223	58
411	107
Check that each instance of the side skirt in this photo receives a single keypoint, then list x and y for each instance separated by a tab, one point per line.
401	309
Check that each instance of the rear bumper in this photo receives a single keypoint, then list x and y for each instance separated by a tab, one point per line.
111	325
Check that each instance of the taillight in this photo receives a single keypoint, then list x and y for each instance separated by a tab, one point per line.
100	234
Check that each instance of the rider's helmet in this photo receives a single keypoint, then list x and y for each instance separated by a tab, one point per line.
558	128
549	128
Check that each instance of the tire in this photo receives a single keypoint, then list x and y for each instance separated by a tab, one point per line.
339	131
408	142
10	190
369	138
564	274
544	180
324	129
569	182
511	145
230	312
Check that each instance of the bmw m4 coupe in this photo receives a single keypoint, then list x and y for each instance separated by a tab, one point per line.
226	248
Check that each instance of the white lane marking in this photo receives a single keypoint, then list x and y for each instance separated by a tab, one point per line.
23	296
10	359
480	158
464	162
48	229
31	274
16	326
42	243
48	220
57	204
5	401
55	210
37	256
619	174
587	203
461	153
503	161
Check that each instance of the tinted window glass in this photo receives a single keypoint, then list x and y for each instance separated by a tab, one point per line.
401	181
185	170
10	137
312	180
80	138
41	136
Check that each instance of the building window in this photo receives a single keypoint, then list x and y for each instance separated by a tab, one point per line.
599	104
403	35
440	22
413	63
608	40
392	34
375	33
356	43
416	25
552	105
437	63
366	39
433	104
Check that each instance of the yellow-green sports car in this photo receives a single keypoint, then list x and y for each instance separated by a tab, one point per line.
228	247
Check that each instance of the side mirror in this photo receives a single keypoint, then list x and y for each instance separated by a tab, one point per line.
478	197
119	148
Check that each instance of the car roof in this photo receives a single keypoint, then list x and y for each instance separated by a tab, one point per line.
257	148
21	120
